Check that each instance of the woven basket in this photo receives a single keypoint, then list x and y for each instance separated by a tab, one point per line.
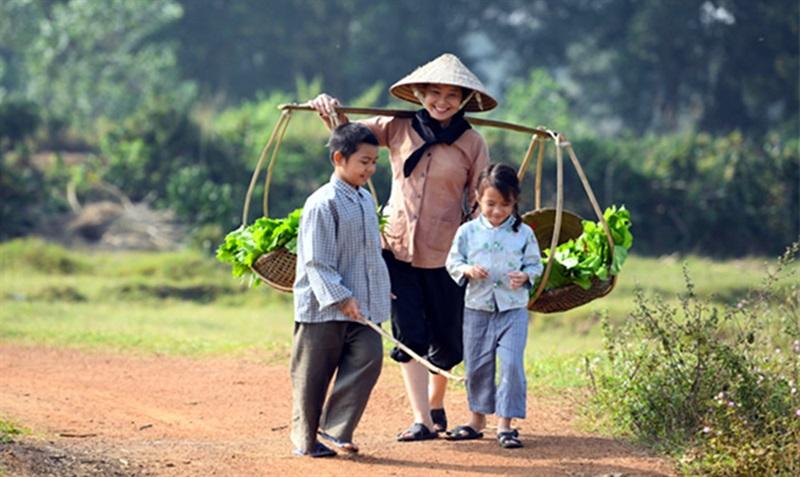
276	269
570	296
542	222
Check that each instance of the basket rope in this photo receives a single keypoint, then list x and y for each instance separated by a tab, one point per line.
561	143
246	209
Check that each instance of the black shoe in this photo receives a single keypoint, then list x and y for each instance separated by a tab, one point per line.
439	418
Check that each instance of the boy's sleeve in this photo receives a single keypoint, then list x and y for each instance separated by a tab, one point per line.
457	257
531	257
318	238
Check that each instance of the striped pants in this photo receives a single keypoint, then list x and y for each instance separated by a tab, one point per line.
489	336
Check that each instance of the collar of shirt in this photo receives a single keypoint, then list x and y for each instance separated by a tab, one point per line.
348	190
505	225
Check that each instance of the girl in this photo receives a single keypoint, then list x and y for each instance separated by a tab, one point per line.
436	158
499	257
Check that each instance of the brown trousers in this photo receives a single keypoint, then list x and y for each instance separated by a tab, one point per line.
351	350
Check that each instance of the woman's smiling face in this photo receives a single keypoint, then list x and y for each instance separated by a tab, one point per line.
442	101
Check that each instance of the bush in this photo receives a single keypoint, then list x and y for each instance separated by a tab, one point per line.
161	154
715	385
36	254
19	120
723	196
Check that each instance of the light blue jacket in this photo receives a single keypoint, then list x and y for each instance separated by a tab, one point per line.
499	250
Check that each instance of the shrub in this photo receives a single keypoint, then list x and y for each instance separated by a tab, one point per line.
19	120
717	385
161	153
37	254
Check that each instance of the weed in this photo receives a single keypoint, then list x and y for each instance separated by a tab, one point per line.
715	384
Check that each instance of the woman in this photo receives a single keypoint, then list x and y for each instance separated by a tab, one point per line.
436	158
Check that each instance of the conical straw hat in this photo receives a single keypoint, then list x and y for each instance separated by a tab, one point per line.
446	69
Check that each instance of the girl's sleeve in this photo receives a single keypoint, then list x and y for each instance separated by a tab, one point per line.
457	257
318	236
531	257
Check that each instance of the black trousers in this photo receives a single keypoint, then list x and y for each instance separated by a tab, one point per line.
428	313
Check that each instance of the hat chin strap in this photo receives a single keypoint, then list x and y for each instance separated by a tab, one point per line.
421	97
418	94
469	97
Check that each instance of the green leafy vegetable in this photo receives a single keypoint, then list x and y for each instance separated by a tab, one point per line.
580	260
242	247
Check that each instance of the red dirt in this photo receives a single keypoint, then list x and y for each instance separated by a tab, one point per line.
95	413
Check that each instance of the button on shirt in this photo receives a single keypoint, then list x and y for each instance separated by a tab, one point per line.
499	250
426	208
339	256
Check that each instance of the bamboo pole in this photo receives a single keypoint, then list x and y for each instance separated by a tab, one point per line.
405	113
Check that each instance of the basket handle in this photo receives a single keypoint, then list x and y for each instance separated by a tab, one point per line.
277	133
560	142
559	208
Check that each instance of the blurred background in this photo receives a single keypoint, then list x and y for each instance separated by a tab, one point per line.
136	123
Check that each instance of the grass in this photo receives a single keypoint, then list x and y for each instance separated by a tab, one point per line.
183	303
8	431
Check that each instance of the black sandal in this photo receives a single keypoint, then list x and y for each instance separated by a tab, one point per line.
463	433
509	439
318	450
439	418
417	432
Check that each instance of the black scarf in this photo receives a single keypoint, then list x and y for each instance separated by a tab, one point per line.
431	131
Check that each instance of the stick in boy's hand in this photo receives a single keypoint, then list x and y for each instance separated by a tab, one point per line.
349	308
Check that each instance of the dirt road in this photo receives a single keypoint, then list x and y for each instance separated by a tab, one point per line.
94	413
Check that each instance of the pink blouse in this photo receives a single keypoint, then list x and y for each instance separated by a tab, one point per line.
425	209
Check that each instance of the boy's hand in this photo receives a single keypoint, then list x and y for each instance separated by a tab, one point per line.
349	308
517	279
476	272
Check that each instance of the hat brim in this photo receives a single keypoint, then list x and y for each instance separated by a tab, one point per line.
446	69
406	93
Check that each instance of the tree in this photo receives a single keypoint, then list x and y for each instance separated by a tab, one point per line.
236	49
659	66
98	59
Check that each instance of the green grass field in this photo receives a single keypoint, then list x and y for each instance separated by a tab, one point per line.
184	303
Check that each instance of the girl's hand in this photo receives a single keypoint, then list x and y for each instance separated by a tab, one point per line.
476	272
517	279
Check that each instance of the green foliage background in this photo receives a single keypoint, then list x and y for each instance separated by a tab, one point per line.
687	114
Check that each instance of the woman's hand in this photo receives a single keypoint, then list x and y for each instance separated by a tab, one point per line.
476	272
517	279
326	105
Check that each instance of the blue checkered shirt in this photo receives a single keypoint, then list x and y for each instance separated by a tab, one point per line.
339	256
499	250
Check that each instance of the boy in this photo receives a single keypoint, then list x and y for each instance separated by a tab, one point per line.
341	278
